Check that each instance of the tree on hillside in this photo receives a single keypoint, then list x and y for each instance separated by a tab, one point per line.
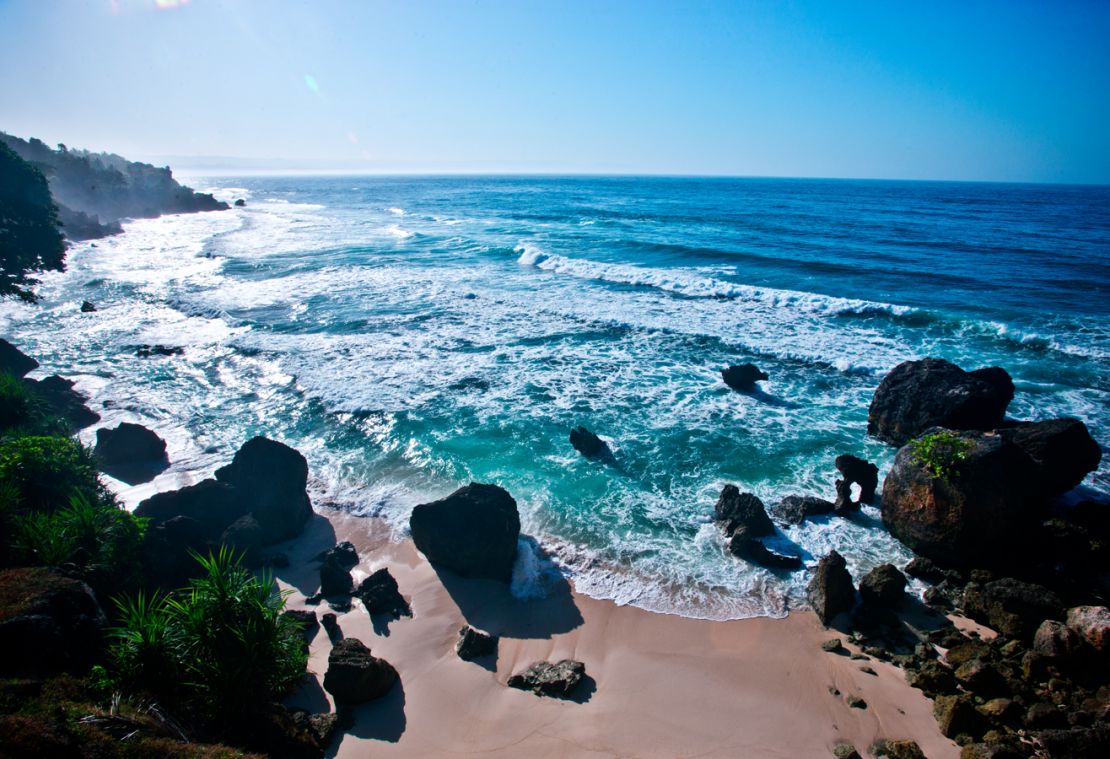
30	239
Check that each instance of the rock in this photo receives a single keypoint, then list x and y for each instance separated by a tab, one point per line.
49	623
239	202
743	546
148	351
335	578
844	505
898	749
1093	623
1077	742
1055	640
1063	450
833	646
474	643
860	472
925	569
981	678
547	679
736	509
331	626
1000	710
856	702
1042	715
380	595
244	537
271	478
932	392
321	727
87	307
978	515
956	715
214	505
472	532
932	678
1013	608
793	509
883	586
64	402
743	377
128	444
14	361
845	751
589	444
354	675
167	552
343	554
831	592
965	650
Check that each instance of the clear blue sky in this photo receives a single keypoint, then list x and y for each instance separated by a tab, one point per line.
1004	90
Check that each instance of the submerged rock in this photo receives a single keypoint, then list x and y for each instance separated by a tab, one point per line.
831	592
745	546
239	202
129	444
735	509
589	444
860	472
793	509
149	351
547	679
472	532
354	675
474	643
87	307
14	361
932	392
743	377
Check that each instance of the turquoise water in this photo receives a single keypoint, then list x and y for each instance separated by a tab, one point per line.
411	334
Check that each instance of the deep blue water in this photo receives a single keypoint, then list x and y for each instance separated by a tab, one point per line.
411	334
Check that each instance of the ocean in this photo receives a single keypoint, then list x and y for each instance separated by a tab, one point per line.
410	334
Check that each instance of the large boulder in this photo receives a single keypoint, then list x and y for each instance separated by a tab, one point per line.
547	679
793	509
932	392
589	444
1063	449
64	401
271	478
974	514
1093	623
735	509
860	472
1013	608
474	643
14	361
830	591
128	444
335	577
883	586
354	675
214	505
746	546
472	532
380	594
244	537
743	377
49	623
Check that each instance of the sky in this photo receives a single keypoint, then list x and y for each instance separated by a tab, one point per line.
997	91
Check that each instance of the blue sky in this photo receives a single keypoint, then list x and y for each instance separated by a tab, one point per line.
962	90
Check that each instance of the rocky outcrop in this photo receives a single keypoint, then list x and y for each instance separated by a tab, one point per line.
974	516
735	509
355	676
166	552
129	444
473	532
794	509
743	377
1055	640
1063	450
474	643
342	554
932	392
244	537
589	444
330	622
844	505
746	546
64	401
547	679
49	623
830	592
956	715
271	478
380	594
335	577
213	505
883	586
857	471
1013	608
14	361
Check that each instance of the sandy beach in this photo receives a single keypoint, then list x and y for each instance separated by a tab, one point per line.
658	685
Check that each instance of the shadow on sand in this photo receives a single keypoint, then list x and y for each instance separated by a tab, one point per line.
301	573
381	720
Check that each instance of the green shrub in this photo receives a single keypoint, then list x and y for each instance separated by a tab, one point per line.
218	648
22	411
42	473
941	453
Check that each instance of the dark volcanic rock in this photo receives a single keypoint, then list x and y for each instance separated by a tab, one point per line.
344	554
244	537
932	678
897	750
214	505
474	643
1063	449
14	361
380	595
148	351
957	714
271	478
1077	742
49	623
239	202
354	675
831	592
330	623
978	516
589	444
87	307
793	509
128	444
547	679
1013	608
335	578
883	586
844	505
472	532
917	395
743	377
65	402
981	678
1093	623
745	546
736	509
1055	640
859	472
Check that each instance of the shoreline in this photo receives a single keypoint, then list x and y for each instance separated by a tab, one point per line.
657	684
